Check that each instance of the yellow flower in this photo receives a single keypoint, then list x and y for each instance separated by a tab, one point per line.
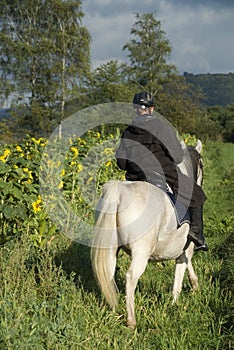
79	168
60	185
62	173
108	163
41	141
37	205
75	152
19	149
36	141
90	179
5	155
108	150
30	174
81	141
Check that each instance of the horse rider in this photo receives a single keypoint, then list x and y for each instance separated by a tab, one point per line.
150	151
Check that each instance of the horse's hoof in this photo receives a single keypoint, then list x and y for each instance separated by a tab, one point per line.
131	325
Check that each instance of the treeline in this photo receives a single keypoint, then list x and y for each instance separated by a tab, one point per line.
218	89
45	64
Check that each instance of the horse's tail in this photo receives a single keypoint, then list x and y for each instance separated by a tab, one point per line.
105	243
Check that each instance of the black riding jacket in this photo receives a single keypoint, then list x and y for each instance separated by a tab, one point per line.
150	151
149	148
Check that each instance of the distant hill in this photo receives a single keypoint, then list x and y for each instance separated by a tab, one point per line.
218	88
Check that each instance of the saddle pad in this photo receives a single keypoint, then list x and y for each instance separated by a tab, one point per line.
181	211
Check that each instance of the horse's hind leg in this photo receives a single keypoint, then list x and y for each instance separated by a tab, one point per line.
183	262
137	267
192	275
180	267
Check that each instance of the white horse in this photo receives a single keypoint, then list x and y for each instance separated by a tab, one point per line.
140	218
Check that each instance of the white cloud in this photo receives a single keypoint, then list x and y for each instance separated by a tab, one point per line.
109	34
202	40
201	35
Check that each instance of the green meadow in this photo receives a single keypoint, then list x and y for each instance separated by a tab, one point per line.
49	299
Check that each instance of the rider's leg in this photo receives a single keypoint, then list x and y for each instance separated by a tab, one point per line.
196	228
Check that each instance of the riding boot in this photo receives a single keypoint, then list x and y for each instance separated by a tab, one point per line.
196	228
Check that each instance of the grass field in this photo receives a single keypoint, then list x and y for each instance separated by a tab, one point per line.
49	299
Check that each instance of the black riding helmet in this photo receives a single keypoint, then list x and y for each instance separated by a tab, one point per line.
143	98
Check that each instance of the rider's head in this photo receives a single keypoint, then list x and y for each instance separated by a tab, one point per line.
143	103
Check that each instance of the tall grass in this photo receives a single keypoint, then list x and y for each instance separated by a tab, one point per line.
49	299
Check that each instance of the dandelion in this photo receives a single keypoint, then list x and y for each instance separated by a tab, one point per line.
37	204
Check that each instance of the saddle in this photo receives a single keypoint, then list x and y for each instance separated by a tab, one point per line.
181	211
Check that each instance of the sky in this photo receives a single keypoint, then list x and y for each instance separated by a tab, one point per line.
200	32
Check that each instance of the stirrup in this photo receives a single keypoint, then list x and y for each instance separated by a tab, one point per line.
204	247
198	240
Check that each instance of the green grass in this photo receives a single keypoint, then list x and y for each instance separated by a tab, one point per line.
49	299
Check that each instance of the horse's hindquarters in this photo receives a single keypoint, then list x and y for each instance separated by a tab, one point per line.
146	220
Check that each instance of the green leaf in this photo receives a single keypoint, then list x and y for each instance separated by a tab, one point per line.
42	227
8	211
4	168
17	193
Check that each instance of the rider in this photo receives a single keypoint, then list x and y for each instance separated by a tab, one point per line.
150	151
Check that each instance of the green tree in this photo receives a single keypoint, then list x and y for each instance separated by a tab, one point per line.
148	69
180	103
149	50
108	84
223	119
70	59
45	53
